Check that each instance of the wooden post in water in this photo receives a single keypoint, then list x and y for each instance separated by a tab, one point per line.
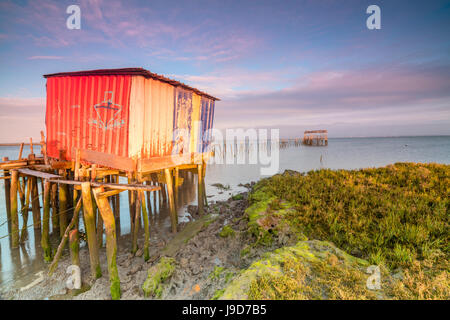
25	209
146	226
74	246
63	195
204	184
131	201
14	212
7	191
55	216
176	182
99	228
35	205
111	243
136	218
200	200
89	220
45	242
173	209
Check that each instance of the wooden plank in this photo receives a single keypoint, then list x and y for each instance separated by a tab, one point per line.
38	174
161	163
107	160
117	186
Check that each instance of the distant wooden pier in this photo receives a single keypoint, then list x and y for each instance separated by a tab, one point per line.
315	138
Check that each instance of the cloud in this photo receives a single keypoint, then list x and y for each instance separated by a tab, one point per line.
21	118
45	58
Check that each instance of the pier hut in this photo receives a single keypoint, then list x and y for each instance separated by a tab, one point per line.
102	125
315	138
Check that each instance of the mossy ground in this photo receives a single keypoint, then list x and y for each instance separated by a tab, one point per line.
396	217
157	275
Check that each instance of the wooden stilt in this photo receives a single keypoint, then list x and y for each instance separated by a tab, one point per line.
99	229
200	200
35	206
7	191
176	182
164	191
131	202
135	230
111	243
89	219
74	245
42	188
63	196
149	201
20	151
14	212
25	209
55	216
146	225
45	241
173	209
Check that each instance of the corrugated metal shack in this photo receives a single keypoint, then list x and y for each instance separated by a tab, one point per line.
125	118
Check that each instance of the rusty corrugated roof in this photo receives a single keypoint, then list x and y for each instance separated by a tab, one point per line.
133	72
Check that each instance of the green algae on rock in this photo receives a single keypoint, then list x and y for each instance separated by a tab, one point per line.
157	275
226	231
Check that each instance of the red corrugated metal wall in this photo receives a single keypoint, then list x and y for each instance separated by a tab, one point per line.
88	112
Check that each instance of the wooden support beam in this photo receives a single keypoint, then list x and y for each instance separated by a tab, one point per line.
109	193
31	146
99	227
89	220
35	205
118	186
6	174
176	182
45	241
111	243
20	151
44	147
200	200
25	209
63	197
146	225
74	246
65	236
173	209
55	216
136	224
14	211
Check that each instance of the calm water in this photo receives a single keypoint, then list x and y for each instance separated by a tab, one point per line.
18	266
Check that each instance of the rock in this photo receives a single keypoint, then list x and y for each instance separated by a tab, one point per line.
134	269
192	210
184	262
217	261
139	252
